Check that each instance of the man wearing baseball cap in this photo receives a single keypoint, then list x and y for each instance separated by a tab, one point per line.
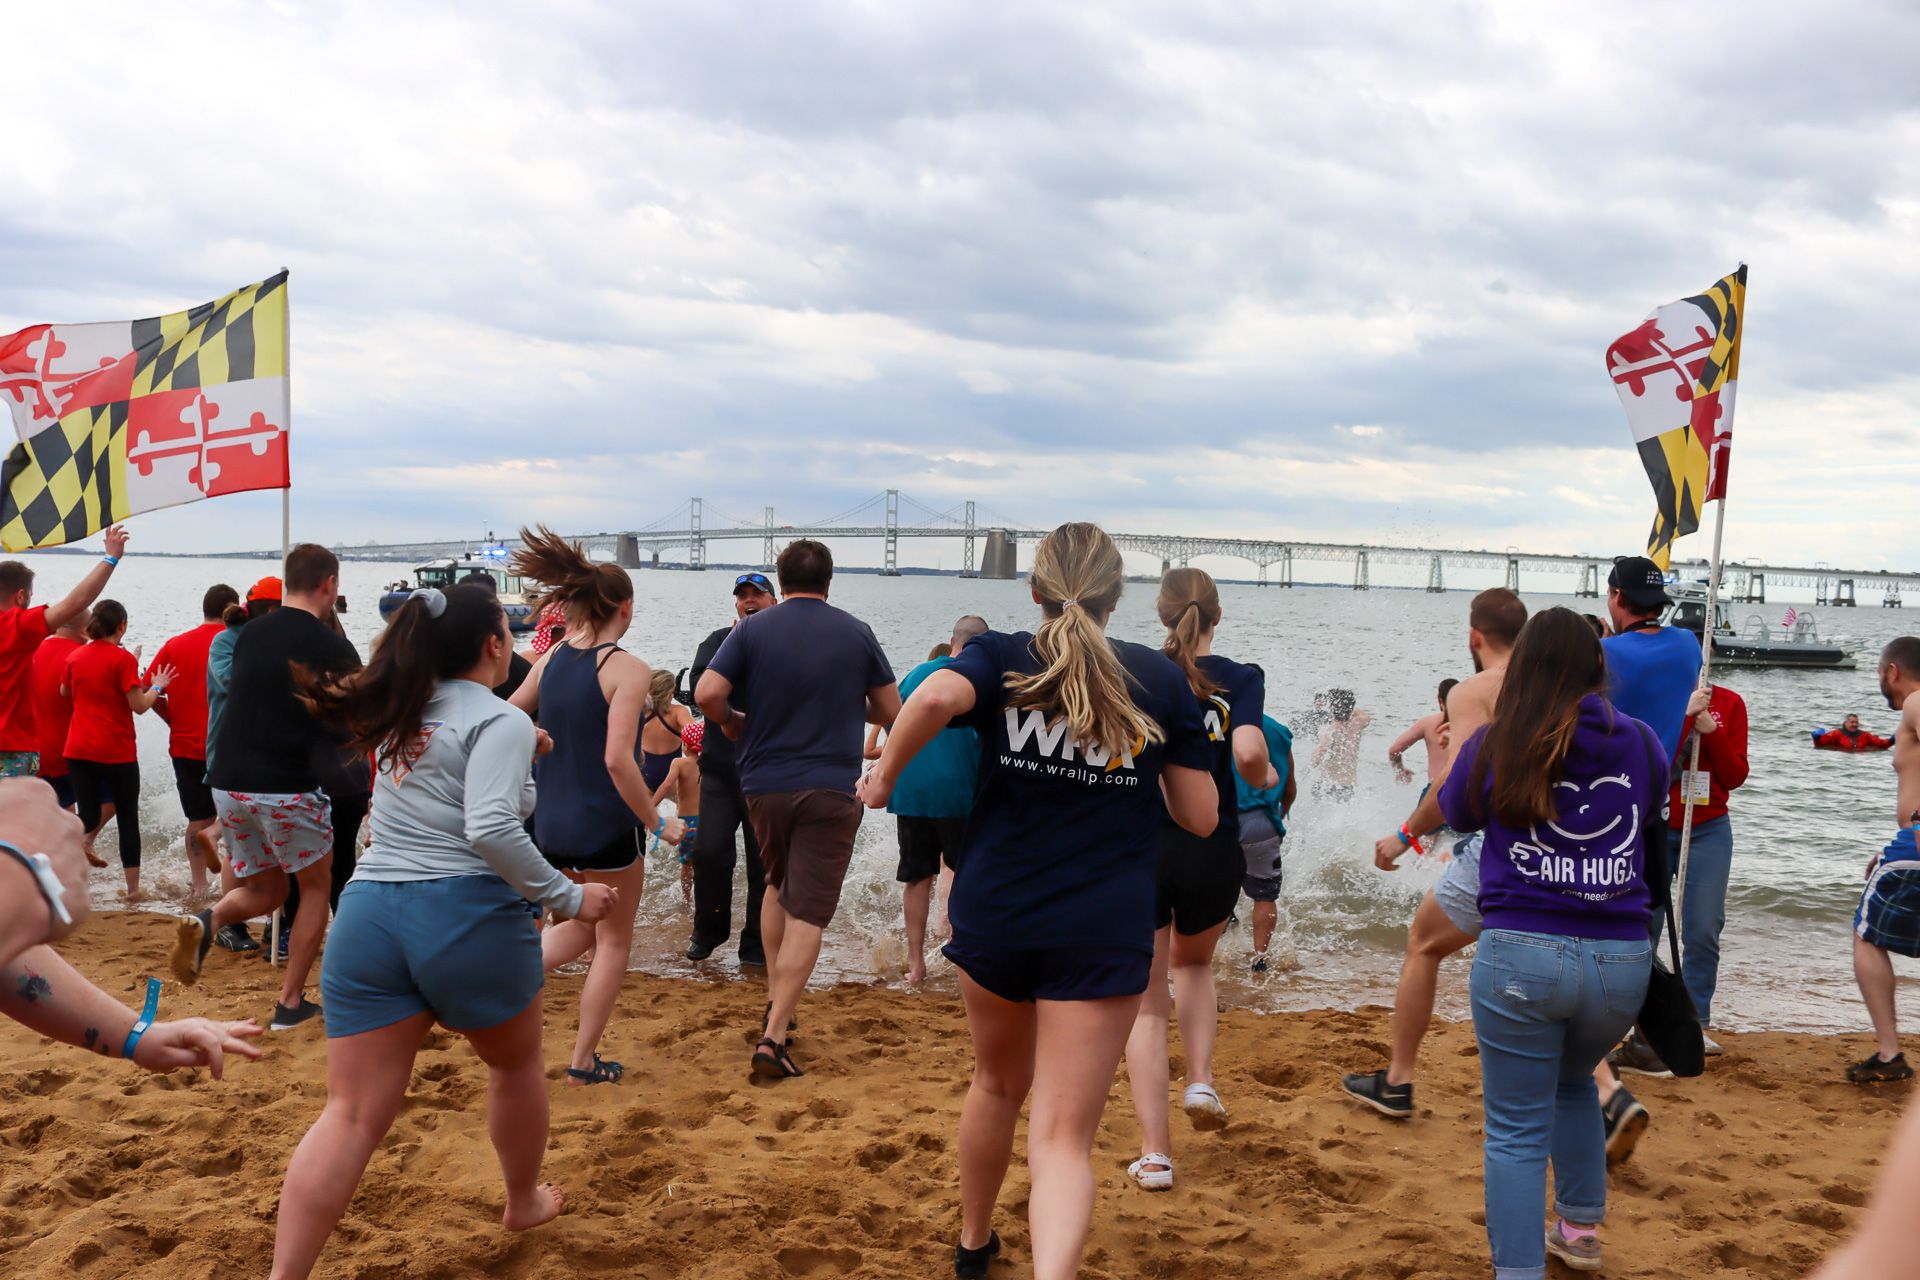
1651	669
723	810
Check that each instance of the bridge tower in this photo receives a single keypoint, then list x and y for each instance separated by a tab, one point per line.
1589	582
696	544
1286	566
966	561
766	544
1360	571
1513	574
1436	580
891	567
1843	594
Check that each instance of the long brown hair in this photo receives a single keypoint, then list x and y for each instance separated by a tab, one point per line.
1189	606
590	593
1077	576
1556	662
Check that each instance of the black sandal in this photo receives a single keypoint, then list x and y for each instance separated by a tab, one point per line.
971	1264
771	1061
600	1072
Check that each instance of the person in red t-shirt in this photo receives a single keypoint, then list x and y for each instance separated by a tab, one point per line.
184	708
103	683
1851	737
53	714
1719	717
22	628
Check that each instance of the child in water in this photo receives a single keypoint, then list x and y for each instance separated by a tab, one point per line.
682	785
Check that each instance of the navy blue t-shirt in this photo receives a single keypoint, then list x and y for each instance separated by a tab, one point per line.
1061	846
1650	676
803	669
1241	699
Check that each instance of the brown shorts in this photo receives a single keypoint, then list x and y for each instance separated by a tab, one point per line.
806	842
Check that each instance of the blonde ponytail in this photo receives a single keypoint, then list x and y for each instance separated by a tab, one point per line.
1077	576
1189	607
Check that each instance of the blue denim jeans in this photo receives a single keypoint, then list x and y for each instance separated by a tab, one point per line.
1704	912
1546	1009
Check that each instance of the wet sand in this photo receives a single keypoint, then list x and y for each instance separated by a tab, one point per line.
686	1169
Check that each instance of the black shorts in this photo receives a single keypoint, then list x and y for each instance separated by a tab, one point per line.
924	842
1062	973
1199	882
617	856
196	797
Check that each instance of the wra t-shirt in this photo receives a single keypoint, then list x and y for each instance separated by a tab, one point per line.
21	631
1061	844
52	712
184	706
99	674
1650	676
937	783
804	669
266	741
1241	699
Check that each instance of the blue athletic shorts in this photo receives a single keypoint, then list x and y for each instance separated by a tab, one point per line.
1064	973
463	948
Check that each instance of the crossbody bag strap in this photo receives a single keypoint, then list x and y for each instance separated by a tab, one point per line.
1666	872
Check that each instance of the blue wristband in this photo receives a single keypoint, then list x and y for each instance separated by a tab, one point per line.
111	561
146	1019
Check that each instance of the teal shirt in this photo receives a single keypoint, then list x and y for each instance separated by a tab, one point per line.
219	677
937	783
1279	748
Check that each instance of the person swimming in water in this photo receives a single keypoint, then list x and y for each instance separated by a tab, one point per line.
1850	737
1338	754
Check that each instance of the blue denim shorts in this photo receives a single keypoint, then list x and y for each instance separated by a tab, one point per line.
1061	973
1458	890
463	948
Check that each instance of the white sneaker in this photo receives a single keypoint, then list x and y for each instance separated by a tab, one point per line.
1712	1046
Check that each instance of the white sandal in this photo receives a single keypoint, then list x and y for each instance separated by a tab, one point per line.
1152	1179
1204	1108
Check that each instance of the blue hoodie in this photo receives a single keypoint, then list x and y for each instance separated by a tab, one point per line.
1583	875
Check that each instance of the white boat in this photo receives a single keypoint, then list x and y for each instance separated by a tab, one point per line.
490	560
1755	643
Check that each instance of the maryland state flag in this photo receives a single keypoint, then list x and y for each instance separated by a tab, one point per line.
1676	376
116	419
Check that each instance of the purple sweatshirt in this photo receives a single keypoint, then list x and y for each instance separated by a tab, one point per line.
1583	874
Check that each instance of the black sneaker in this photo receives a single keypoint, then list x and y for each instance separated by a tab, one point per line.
1259	964
1394	1100
1878	1070
1626	1120
234	937
285	1019
972	1264
698	950
1637	1056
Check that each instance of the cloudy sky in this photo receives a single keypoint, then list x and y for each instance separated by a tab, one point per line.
1334	272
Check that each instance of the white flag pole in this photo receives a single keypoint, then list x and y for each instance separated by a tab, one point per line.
275	922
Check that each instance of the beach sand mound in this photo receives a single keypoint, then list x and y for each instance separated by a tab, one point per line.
686	1169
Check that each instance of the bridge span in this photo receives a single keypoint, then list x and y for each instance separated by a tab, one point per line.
688	530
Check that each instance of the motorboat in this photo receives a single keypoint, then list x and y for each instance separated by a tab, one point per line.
1756	643
444	573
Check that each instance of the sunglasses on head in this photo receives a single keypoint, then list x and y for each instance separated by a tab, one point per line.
756	580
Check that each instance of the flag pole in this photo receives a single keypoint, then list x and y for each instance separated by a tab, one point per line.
275	922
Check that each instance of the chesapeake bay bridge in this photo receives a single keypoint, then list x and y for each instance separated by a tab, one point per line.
990	550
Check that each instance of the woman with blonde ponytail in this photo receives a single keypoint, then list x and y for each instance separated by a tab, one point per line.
1084	742
595	804
1199	877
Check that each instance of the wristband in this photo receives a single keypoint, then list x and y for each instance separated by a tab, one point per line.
658	830
146	1019
1410	840
40	867
112	562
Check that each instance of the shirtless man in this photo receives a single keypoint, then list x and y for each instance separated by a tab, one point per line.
1449	916
1338	753
1428	729
1889	915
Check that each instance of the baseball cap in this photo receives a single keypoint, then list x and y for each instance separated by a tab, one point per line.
758	581
266	589
1640	581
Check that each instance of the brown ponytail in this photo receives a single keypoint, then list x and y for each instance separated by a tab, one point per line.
590	593
1077	576
1189	606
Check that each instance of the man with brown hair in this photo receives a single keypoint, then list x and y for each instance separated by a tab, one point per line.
810	678
265	777
1448	918
22	628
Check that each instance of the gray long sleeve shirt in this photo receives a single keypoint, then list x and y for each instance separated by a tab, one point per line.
455	802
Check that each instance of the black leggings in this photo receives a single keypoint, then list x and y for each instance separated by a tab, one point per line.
723	811
124	780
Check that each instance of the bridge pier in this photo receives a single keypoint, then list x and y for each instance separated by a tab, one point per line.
1436	580
1360	571
1589	582
1001	562
1820	591
1513	574
1891	600
1843	594
1749	588
627	552
1286	567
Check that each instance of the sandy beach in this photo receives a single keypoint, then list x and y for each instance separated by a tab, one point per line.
685	1169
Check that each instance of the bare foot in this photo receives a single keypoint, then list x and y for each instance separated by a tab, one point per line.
94	859
916	974
543	1205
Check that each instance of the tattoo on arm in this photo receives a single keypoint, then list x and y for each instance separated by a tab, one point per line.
33	987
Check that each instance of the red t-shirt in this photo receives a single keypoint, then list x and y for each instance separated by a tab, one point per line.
184	706
52	712
98	676
21	631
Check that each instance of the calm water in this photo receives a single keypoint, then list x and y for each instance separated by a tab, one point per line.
1805	824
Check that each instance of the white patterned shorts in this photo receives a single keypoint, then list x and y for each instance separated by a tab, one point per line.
267	832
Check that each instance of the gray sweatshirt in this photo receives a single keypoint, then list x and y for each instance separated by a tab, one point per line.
455	802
